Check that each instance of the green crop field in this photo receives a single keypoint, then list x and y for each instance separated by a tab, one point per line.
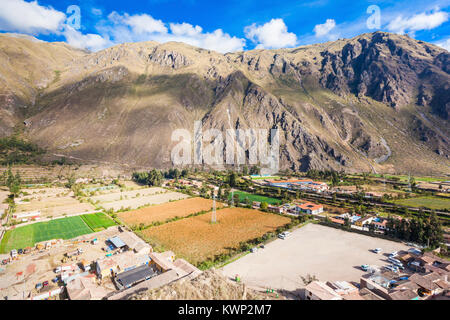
98	221
28	236
434	203
265	178
254	197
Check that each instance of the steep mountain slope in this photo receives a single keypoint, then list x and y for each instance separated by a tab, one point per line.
371	103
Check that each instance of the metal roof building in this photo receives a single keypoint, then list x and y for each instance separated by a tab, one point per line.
129	278
117	242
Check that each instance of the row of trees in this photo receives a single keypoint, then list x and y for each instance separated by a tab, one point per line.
155	177
13	182
423	229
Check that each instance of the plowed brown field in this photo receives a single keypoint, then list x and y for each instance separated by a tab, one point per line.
196	239
181	208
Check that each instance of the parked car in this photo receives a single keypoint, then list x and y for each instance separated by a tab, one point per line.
45	283
391	268
393	254
20	251
38	286
365	267
377	250
395	261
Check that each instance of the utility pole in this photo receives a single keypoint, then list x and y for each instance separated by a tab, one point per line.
232	198
213	218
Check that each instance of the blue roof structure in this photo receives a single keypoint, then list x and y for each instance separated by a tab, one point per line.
117	242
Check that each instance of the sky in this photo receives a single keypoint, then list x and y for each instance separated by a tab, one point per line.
223	26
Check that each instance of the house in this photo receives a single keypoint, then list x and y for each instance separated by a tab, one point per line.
162	262
310	208
275	209
133	242
30	214
379	224
85	288
120	263
132	277
337	220
317	290
364	221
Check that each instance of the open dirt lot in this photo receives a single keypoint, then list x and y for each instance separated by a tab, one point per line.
161	213
197	239
329	254
55	206
144	201
117	196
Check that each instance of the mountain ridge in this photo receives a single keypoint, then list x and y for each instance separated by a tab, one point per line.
351	104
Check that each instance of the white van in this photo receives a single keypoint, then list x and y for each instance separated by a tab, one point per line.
395	261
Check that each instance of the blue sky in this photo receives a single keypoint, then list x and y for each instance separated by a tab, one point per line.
230	25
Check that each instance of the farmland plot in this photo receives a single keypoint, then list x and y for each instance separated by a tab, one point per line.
143	201
55	206
118	196
197	239
163	212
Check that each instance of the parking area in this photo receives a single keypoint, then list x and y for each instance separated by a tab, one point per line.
327	253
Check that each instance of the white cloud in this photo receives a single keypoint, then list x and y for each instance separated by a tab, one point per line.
32	18
93	42
271	35
126	28
143	23
96	11
29	17
444	44
185	29
324	29
421	21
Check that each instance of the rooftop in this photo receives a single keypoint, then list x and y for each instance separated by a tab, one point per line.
322	291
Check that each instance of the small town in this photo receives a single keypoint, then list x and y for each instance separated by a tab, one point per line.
111	238
207	159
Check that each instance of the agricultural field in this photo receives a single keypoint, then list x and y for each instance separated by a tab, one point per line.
54	206
118	196
435	203
143	201
265	178
163	212
27	236
254	197
98	221
196	239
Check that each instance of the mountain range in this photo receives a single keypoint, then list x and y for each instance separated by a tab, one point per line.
378	102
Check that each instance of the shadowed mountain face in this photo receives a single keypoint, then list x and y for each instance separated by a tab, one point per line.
378	102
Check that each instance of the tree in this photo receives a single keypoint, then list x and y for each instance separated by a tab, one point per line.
308	279
232	179
13	182
264	205
255	170
245	170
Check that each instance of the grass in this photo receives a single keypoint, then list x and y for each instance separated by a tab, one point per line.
434	203
254	197
265	178
98	221
28	236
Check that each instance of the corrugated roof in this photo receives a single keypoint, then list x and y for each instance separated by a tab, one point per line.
130	277
117	242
